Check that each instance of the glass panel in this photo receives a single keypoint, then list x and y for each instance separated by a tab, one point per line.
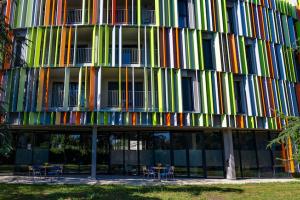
195	148
102	153
214	155
116	153
162	148
264	155
131	153
248	155
146	149
237	159
188	94
180	153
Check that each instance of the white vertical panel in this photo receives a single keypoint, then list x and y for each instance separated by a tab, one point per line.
101	12
216	47
183	48
166	89
99	88
170	31
75	47
145	44
113	54
257	59
196	53
120	46
203	89
239	18
248	97
139	46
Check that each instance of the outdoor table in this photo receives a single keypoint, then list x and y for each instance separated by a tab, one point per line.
45	167
158	171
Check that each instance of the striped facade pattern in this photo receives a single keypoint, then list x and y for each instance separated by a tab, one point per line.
166	53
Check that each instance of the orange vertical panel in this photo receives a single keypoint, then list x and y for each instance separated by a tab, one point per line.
47	88
62	47
53	12
271	94
284	157
213	11
8	10
134	119
262	97
47	12
290	156
161	46
252	20
95	11
126	10
59	11
65	12
233	53
181	119
168	119
177	49
92	89
126	89
69	46
271	69
65	118
261	22
164	48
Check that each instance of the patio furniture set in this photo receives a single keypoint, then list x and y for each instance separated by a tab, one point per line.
159	172
52	171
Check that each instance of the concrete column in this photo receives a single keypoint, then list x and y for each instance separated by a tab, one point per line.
229	155
94	153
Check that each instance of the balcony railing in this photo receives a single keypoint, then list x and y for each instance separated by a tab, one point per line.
58	99
130	56
74	16
148	16
135	99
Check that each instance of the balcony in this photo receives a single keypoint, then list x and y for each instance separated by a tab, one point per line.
130	56
135	99
74	16
58	100
124	17
148	17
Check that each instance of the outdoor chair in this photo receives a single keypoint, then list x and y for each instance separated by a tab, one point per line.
151	172
34	171
55	172
145	171
168	173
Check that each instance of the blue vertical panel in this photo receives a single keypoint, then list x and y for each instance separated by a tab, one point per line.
292	32
265	18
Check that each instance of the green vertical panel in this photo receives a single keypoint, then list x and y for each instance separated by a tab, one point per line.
267	70
79	87
251	122
224	15
38	47
66	87
257	95
94	46
231	91
179	90
209	92
172	90
200	51
139	10
56	46
203	14
44	47
146	96
152	47
298	31
153	92
31	51
203	90
154	119
50	46
157	12
106	57
29	12
105	118
25	118
262	58
249	31
187	42
100	51
160	90
243	55
21	89
92	118
293	65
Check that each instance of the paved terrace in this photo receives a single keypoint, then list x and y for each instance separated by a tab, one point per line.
135	181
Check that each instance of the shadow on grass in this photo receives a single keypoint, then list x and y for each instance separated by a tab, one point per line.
111	192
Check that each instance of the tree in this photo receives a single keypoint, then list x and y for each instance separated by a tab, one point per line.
291	131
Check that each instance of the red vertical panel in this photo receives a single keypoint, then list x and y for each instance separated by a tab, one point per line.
95	11
252	20
261	22
181	119
113	13
92	89
59	11
77	115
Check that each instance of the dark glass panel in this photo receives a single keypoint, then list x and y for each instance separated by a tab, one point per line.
131	153
195	149
116	153
180	153
162	148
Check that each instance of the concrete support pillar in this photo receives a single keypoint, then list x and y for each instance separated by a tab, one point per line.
94	153
229	155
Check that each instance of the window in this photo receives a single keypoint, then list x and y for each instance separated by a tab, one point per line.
250	58
57	94
230	19
187	93
207	53
183	13
239	100
73	94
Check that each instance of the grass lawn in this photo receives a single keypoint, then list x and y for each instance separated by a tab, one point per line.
216	192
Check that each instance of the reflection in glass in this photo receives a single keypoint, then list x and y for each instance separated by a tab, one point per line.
116	153
180	153
162	148
131	153
195	146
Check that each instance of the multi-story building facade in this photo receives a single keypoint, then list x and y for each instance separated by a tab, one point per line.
110	86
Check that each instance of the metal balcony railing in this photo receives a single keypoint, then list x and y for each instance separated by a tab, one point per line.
148	16
74	16
135	99
130	56
58	99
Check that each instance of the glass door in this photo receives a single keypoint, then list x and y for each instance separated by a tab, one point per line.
103	153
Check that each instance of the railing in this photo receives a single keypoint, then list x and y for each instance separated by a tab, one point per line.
74	16
58	101
135	99
148	16
83	55
130	56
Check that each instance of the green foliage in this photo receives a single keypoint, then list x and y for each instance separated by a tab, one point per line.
290	131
